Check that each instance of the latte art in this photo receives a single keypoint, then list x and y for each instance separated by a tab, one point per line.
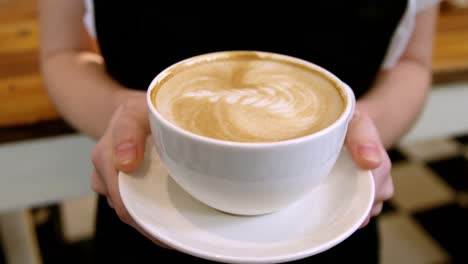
252	100
272	99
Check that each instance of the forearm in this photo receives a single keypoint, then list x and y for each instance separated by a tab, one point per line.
397	98
74	75
82	91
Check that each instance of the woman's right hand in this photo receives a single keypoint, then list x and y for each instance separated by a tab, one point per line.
121	148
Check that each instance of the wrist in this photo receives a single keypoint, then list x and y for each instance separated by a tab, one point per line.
368	106
124	95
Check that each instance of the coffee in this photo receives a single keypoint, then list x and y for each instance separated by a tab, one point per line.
247	97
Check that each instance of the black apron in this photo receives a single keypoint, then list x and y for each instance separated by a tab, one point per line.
138	41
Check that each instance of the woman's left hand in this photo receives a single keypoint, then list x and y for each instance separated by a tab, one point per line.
366	148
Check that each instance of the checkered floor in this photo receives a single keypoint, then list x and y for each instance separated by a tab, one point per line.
427	219
426	222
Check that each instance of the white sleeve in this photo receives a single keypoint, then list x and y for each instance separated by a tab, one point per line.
421	4
404	30
88	18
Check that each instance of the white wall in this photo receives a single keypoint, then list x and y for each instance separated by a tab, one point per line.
445	113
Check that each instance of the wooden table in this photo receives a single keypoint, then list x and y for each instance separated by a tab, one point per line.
23	99
450	56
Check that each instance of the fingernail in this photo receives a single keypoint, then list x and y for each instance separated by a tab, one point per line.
125	153
369	152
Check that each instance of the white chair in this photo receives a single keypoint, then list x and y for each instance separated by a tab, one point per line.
36	173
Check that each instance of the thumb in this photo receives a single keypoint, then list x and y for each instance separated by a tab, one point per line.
130	131
363	141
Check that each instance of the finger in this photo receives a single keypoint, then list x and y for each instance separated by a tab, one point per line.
109	201
102	160
382	175
366	222
376	209
129	135
126	218
363	141
386	190
111	179
129	220
97	185
383	180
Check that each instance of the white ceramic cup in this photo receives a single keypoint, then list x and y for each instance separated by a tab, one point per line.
248	178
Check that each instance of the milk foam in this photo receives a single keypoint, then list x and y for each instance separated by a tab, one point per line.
249	100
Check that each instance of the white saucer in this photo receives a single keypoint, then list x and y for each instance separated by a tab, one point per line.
325	218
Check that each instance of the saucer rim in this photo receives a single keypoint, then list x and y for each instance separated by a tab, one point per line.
188	249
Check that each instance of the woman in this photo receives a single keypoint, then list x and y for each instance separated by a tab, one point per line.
381	49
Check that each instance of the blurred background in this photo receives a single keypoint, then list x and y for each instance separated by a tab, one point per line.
47	209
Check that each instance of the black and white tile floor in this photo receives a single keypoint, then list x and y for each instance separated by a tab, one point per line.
426	222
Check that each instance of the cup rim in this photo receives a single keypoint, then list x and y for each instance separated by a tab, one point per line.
345	116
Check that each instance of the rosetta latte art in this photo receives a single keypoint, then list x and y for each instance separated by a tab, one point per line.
249	101
276	100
